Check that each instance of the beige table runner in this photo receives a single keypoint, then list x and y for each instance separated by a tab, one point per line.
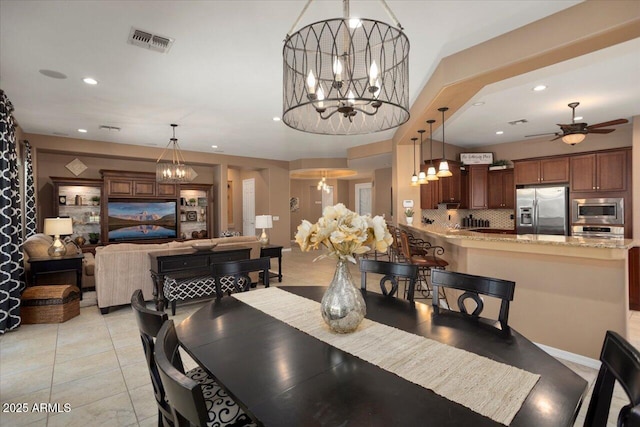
485	386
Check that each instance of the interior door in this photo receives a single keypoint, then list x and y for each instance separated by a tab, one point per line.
249	207
363	198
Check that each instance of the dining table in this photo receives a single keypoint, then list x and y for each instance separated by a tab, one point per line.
282	376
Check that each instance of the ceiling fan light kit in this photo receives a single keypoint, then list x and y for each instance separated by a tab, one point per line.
443	168
346	76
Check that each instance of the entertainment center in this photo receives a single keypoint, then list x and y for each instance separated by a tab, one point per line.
132	207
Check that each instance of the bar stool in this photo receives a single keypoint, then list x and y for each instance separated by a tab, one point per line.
426	261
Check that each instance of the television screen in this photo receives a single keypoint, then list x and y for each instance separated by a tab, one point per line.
142	220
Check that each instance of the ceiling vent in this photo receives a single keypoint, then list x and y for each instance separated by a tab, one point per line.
109	128
518	122
149	41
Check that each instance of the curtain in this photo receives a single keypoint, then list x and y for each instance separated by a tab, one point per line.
31	220
11	270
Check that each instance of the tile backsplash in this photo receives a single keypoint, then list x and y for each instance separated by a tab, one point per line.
498	218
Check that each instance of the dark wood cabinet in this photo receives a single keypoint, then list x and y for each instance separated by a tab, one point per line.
542	171
429	193
451	188
606	171
136	185
478	184
634	278
501	189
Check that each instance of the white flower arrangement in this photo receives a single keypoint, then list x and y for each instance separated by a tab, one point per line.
344	233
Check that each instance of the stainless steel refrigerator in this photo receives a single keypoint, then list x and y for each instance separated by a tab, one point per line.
542	210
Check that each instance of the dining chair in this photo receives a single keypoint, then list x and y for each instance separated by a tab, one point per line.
391	272
193	403
621	363
427	260
474	286
233	276
149	323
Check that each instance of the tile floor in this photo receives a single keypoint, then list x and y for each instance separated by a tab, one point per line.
95	363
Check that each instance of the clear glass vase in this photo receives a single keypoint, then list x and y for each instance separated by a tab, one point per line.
342	306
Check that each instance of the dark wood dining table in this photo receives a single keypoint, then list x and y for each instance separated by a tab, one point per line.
284	377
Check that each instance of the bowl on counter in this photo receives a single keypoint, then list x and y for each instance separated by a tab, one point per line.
203	246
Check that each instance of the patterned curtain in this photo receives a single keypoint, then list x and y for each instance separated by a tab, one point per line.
10	222
31	220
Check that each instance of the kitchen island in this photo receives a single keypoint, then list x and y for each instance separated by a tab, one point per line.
569	290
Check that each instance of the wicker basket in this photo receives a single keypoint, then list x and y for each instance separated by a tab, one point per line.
50	304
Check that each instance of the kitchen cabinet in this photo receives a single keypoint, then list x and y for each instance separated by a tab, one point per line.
136	185
452	188
604	171
542	171
634	278
478	176
80	200
501	189
429	193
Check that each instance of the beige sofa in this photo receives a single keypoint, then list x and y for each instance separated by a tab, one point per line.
37	246
121	268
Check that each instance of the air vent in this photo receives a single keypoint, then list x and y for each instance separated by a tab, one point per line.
149	40
109	128
518	122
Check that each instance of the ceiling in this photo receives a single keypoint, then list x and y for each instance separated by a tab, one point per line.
221	81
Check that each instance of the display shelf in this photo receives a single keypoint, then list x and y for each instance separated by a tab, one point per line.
79	199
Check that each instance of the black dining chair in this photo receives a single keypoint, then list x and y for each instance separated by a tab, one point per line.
193	403
233	276
473	287
621	363
149	324
391	272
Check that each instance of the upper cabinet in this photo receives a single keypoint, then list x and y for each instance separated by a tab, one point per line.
136	185
501	189
429	193
478	185
606	171
543	171
451	188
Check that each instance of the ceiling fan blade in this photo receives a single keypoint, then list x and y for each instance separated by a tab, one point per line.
542	134
557	137
601	130
609	123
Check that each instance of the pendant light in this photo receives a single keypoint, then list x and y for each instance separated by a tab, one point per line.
431	172
414	177
422	176
443	169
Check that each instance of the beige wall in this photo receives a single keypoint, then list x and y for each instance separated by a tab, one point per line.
636	179
382	192
233	175
310	200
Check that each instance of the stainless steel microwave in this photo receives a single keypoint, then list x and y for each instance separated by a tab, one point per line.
608	211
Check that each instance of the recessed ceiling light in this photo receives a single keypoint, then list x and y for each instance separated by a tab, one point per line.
276	119
539	88
499	132
477	104
214	146
578	118
82	130
90	81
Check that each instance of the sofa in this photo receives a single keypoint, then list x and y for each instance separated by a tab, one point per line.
37	246
121	268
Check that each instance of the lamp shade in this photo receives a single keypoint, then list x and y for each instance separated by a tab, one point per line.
264	221
574	138
58	226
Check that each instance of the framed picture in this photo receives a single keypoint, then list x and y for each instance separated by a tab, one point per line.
476	158
294	204
192	216
62	200
202	202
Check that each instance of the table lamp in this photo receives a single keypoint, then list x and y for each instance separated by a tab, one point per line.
264	222
57	227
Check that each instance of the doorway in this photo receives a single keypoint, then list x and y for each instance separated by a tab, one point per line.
248	207
363	198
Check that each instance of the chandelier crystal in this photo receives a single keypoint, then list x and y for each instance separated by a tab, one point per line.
346	77
175	170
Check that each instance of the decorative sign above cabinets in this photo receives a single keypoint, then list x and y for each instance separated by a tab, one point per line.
476	158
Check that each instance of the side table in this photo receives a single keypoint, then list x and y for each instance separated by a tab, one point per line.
46	265
273	251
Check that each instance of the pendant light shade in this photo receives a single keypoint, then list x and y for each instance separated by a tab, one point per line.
173	170
443	169
431	172
422	176
414	177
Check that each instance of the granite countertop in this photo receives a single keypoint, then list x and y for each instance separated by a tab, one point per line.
539	239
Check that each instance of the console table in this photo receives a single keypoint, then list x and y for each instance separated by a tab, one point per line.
46	265
188	261
273	251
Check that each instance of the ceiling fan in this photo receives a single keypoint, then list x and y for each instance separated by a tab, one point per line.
575	133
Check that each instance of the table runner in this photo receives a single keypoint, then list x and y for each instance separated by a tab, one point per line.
490	388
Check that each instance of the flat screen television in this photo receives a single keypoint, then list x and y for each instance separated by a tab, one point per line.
129	220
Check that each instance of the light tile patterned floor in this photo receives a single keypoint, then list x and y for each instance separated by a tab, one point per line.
96	364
